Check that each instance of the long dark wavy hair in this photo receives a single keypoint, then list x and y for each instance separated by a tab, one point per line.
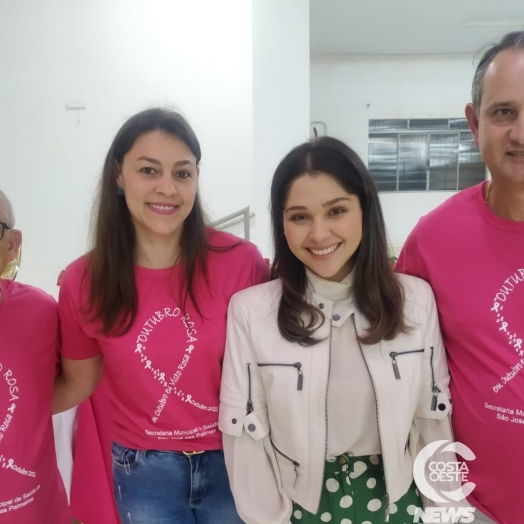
112	293
377	290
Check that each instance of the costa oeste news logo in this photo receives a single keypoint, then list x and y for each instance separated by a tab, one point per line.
426	465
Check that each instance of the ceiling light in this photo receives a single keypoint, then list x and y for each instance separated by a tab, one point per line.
495	23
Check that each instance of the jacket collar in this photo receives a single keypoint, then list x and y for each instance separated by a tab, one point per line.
334	299
330	290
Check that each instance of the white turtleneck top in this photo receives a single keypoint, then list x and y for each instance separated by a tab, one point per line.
352	418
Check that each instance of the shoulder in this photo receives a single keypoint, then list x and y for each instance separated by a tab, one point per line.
418	294
34	299
221	242
78	266
74	284
217	238
75	271
414	286
455	208
227	251
257	302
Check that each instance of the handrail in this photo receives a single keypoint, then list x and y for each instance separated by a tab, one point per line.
234	218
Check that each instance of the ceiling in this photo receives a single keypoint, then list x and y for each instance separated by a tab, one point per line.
410	26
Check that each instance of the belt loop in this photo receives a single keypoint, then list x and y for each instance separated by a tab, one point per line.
346	464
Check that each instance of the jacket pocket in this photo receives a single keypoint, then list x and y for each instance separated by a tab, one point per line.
395	354
296	365
291	461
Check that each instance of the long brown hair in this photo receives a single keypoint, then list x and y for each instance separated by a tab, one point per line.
112	293
377	290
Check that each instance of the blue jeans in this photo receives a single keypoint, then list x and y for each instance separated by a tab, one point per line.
167	487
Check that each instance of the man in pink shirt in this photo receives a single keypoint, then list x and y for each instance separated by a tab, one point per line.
31	489
471	250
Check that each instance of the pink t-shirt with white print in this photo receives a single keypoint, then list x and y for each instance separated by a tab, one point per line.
164	373
474	261
31	489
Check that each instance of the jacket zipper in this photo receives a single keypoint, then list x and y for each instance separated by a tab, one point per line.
386	496
395	354
434	386
249	406
326	411
297	365
296	464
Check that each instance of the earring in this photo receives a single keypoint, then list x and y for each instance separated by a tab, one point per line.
120	190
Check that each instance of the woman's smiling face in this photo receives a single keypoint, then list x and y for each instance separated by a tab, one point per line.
323	225
159	176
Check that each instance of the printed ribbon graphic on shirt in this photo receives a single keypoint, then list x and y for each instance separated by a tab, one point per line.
514	338
169	381
9	383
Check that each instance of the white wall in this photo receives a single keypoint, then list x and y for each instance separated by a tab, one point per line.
281	101
117	57
347	91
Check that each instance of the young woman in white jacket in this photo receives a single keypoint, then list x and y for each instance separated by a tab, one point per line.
335	374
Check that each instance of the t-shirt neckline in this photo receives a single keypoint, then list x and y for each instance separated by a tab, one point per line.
492	218
156	273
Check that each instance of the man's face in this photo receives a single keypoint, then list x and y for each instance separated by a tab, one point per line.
498	125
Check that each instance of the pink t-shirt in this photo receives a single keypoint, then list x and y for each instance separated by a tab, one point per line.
164	373
31	489
474	262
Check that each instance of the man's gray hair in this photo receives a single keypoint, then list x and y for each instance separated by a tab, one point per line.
6	210
509	41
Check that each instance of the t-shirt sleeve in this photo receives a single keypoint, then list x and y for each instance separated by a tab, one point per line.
51	323
410	260
76	343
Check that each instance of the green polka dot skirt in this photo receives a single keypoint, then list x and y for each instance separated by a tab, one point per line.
355	493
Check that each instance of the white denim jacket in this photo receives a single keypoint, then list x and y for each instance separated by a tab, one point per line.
275	423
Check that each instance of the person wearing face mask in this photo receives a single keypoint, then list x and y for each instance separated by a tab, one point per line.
335	374
147	307
31	489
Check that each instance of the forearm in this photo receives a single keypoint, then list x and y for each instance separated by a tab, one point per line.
75	383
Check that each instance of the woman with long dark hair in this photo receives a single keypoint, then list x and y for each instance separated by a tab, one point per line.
147	305
335	374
